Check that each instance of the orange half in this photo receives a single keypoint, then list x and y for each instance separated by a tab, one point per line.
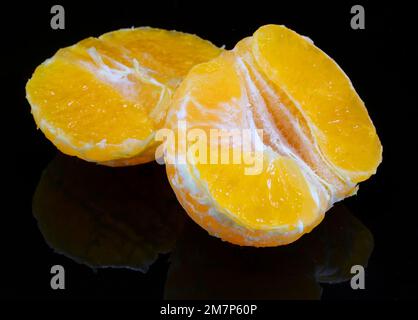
103	99
317	139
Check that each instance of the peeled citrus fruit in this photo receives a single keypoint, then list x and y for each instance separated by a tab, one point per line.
103	98
317	140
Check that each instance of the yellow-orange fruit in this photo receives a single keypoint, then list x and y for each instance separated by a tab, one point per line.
318	141
104	98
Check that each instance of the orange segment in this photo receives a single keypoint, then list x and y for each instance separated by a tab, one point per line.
210	98
104	98
325	95
278	197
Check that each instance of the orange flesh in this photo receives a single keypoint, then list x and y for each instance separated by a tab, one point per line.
280	188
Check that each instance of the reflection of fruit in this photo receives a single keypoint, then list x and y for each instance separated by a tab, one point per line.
103	98
318	140
103	217
205	268
341	242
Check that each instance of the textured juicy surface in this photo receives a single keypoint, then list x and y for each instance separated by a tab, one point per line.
318	141
103	98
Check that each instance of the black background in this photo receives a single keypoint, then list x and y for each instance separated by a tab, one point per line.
379	60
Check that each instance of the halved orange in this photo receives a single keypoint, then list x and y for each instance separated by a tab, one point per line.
318	141
103	98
